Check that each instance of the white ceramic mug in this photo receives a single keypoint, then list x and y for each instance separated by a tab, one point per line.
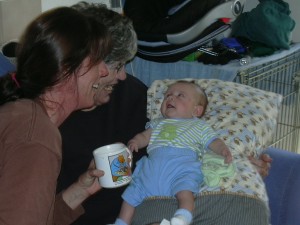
115	160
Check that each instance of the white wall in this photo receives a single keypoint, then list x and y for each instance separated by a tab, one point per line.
14	17
16	14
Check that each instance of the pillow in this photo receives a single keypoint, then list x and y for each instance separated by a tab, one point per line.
243	116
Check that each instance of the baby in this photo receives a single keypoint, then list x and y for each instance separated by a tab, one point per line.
175	143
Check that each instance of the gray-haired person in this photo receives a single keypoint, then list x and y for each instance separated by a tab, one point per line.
123	36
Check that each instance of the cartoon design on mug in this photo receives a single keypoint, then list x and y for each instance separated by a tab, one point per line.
120	168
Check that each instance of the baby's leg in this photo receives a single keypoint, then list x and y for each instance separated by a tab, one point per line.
186	205
186	200
126	214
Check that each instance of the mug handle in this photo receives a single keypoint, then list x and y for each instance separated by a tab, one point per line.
130	156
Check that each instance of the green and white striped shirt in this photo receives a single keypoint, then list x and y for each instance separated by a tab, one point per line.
194	134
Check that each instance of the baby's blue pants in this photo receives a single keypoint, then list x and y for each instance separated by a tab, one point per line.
165	172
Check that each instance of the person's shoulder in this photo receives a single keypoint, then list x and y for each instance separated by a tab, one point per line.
25	121
200	122
18	111
132	80
131	92
133	85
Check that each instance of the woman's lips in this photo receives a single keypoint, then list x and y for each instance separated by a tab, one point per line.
109	88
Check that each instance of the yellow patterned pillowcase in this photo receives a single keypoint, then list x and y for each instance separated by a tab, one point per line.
243	116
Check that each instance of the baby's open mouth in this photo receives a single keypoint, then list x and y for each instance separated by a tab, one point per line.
170	106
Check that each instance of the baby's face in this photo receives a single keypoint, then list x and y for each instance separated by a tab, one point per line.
180	101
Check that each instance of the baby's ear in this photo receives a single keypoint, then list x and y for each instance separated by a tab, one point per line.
198	111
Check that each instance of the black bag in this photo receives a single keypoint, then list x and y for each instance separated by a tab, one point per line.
169	30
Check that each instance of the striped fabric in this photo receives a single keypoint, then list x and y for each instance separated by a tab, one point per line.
181	133
210	209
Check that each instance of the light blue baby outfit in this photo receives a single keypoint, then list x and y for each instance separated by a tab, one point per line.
173	162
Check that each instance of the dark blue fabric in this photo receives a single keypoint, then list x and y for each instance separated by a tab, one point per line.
283	187
5	65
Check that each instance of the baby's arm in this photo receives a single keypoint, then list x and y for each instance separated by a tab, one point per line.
219	147
140	140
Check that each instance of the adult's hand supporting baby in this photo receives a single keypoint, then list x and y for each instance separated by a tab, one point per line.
262	164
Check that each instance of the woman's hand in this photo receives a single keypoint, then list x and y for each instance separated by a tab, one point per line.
86	185
88	181
262	164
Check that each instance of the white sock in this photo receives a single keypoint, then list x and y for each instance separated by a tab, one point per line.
120	222
182	217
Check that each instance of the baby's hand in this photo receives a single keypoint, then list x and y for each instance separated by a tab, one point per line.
133	146
227	155
219	147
